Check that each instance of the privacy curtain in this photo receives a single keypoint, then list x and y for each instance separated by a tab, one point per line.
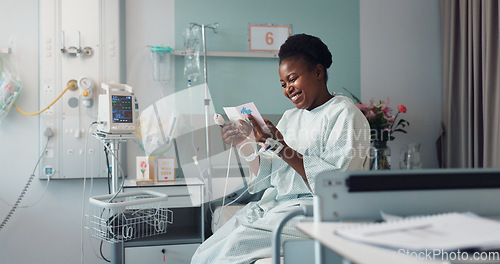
470	136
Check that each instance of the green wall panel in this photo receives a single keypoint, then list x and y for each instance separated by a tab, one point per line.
234	81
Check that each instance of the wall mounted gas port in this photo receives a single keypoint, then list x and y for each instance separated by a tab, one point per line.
73	85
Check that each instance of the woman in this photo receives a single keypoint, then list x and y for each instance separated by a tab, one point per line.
324	132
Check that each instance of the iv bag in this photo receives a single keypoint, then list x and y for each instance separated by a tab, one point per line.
10	86
159	126
192	57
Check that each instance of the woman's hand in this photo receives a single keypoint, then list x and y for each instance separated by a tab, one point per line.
236	135
287	154
260	135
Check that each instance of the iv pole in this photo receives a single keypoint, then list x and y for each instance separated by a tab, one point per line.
214	27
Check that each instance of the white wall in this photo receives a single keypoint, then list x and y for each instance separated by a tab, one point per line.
50	231
401	59
148	23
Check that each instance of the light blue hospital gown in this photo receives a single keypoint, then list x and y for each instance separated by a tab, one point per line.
333	136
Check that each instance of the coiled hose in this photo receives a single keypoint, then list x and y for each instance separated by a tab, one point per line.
25	189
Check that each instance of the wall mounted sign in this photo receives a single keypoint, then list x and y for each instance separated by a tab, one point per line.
267	37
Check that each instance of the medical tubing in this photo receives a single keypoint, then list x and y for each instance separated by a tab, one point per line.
102	253
83	195
71	84
119	166
249	185
236	199
33	204
108	170
25	189
225	185
123	175
250	157
84	200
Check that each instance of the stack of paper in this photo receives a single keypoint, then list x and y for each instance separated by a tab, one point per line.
445	232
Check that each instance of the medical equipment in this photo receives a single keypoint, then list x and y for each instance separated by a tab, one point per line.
219	119
117	109
191	72
122	217
86	85
71	84
271	144
10	86
360	196
73	47
126	216
251	156
192	57
161	57
159	125
203	27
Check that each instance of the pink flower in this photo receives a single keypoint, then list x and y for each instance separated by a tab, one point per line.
370	115
143	164
390	119
384	107
362	107
381	118
402	108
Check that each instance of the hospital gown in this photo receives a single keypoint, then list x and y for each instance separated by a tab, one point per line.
333	136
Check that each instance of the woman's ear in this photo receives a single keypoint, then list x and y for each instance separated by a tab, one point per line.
320	71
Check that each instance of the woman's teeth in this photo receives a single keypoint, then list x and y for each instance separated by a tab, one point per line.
295	96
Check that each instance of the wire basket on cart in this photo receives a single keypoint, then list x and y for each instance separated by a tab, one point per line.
126	216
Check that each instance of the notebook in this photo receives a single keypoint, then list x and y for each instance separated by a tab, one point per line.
447	232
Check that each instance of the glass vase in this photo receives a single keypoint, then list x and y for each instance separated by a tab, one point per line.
410	157
380	156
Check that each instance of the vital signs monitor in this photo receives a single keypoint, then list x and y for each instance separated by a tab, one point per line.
117	109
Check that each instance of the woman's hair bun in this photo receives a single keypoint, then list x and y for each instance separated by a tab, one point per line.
314	50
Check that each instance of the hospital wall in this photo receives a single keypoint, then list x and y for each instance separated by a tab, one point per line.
234	81
399	58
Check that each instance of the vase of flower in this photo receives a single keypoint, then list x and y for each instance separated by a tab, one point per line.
383	124
380	155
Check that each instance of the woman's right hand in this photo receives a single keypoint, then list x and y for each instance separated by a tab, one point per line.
236	135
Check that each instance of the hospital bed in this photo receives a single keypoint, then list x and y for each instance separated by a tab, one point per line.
364	195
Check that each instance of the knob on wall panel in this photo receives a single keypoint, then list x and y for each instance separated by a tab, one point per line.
60	29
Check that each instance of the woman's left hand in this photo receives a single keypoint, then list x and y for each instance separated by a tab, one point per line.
261	135
289	155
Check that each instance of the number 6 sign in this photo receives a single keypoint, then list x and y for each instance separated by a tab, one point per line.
267	37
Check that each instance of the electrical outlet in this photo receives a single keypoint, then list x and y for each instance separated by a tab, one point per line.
47	89
48	112
48	171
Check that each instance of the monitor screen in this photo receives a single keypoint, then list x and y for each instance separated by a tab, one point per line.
122	107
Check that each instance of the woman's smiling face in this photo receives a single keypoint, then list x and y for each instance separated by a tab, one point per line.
302	84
